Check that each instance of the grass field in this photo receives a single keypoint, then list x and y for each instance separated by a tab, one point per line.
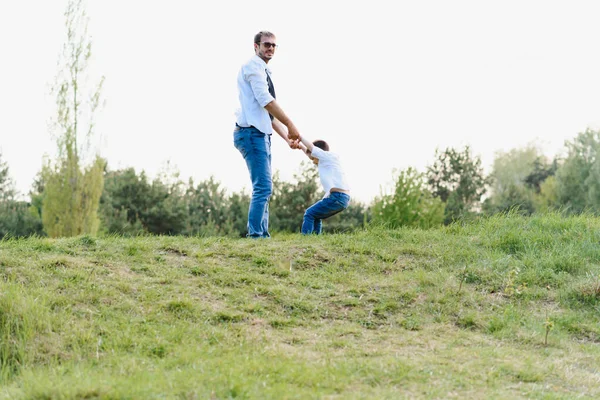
502	308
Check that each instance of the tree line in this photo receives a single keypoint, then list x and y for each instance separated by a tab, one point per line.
452	188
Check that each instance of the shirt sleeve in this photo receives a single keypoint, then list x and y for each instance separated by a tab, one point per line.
258	83
321	154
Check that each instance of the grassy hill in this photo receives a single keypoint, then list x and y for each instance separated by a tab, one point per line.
507	307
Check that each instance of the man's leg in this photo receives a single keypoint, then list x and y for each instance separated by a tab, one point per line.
265	219
264	225
255	147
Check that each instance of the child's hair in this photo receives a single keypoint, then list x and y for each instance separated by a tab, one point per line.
321	144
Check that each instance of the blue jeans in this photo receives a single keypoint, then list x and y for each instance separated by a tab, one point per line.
255	147
324	208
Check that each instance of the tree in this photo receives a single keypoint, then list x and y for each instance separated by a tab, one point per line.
207	209
6	184
542	170
73	186
122	202
508	187
166	214
356	216
237	215
457	178
578	178
547	198
17	218
290	200
517	179
410	204
131	204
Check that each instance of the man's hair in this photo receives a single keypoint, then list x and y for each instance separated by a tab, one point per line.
321	144
259	35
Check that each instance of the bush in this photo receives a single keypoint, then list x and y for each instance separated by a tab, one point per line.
410	204
19	219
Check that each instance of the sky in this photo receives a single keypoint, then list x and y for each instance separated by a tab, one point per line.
385	83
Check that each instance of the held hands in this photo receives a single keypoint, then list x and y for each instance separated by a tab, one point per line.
293	133
293	137
294	144
297	144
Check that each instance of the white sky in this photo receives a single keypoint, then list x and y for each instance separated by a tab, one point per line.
384	82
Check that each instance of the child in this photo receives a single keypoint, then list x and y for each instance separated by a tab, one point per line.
337	190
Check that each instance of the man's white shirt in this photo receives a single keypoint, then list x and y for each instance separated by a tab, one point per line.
253	91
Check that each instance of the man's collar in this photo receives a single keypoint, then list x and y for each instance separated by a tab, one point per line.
262	63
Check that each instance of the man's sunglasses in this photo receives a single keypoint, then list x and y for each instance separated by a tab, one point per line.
268	45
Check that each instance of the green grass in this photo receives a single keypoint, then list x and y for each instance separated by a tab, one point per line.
455	312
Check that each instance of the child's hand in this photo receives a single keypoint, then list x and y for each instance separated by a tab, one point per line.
295	144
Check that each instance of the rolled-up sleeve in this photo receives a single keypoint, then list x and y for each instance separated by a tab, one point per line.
258	83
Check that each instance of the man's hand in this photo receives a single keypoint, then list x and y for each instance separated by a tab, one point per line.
294	144
293	133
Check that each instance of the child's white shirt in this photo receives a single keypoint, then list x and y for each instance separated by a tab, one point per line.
331	172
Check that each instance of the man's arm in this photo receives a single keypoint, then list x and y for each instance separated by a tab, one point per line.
281	131
259	86
275	110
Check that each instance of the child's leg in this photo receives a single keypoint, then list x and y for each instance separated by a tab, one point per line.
309	221
318	226
322	209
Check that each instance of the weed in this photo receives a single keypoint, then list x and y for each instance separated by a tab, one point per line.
512	287
548	325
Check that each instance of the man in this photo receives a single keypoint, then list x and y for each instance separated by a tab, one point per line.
257	118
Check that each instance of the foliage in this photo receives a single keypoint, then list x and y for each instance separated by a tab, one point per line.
19	219
356	216
542	170
207	209
517	179
457	179
237	217
290	200
410	203
37	194
515	197
131	204
73	186
547	199
6	185
578	177
508	189
166	211
71	198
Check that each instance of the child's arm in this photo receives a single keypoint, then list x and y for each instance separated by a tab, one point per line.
302	147
308	146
